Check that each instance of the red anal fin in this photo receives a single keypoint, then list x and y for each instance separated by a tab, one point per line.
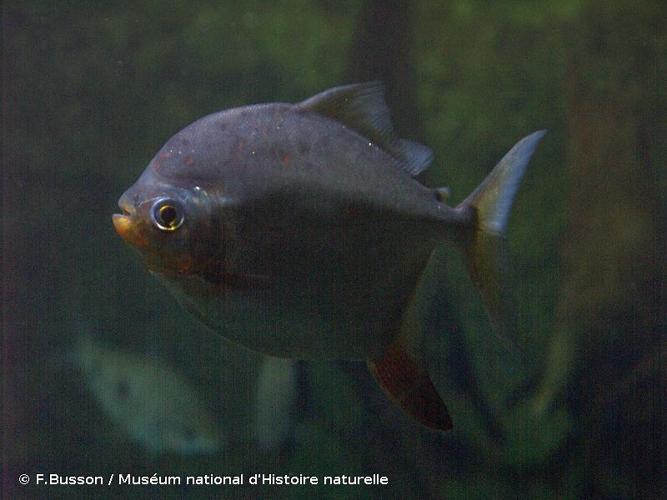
408	384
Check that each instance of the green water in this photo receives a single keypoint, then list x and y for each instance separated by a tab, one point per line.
91	91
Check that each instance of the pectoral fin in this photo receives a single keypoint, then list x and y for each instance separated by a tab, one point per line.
408	384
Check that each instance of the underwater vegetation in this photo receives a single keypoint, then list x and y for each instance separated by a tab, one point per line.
91	91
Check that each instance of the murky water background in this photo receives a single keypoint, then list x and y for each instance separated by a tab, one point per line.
104	373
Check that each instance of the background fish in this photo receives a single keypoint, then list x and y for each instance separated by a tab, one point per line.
299	231
276	400
154	405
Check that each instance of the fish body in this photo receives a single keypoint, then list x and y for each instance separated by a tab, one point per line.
154	405
298	230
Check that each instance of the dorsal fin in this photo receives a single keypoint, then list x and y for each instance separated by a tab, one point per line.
361	107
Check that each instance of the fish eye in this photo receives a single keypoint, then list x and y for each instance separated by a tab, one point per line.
167	214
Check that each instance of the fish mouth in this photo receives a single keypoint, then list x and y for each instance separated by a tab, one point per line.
122	223
126	225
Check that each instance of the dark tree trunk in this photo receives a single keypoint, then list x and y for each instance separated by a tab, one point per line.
613	253
381	51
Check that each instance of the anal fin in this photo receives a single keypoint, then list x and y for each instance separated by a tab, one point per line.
407	383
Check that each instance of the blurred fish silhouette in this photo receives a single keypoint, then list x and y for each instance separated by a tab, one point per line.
299	231
275	402
149	401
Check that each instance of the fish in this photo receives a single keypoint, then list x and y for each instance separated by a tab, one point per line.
153	404
300	231
275	402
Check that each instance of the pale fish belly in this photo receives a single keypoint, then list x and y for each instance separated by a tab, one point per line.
330	293
290	322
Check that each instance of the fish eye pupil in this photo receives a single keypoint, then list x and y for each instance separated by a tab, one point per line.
167	216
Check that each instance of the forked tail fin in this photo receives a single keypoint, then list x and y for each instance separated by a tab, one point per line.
486	253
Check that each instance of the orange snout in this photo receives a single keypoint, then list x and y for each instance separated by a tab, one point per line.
157	258
128	229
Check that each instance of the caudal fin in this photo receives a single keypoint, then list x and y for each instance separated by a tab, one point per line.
486	254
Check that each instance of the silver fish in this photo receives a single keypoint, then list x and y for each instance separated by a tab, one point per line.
154	405
298	230
276	400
